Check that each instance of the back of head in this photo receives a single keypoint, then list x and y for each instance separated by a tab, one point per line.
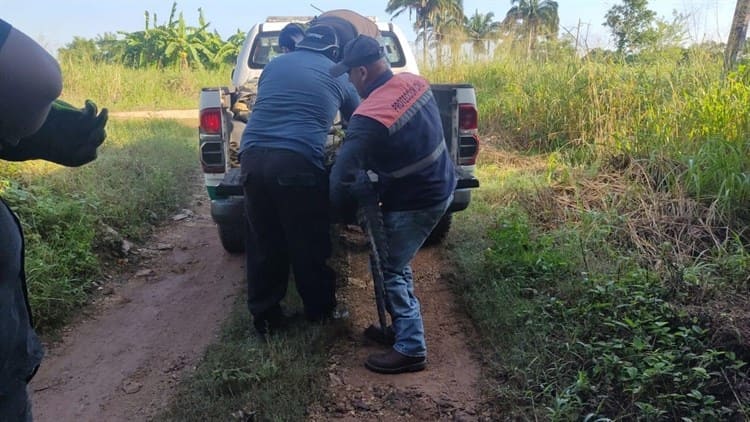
322	39
361	51
290	36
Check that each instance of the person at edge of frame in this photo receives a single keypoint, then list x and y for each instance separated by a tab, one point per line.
33	125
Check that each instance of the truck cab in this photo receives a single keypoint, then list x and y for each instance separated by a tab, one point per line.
224	110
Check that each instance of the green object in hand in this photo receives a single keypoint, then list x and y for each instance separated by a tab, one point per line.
69	136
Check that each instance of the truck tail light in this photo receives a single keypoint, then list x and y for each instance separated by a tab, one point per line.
468	141
467	117
211	143
210	121
468	148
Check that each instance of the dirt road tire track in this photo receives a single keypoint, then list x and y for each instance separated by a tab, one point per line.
121	363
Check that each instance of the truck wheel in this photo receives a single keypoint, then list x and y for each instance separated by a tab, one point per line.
440	231
232	237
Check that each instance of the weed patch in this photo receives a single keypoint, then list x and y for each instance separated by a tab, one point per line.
576	325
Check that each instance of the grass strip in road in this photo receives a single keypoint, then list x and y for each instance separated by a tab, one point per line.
244	378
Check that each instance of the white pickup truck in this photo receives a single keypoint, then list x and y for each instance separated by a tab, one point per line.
224	110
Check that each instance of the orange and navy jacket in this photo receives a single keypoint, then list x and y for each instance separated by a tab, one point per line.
396	132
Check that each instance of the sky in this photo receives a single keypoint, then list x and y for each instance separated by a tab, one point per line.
54	23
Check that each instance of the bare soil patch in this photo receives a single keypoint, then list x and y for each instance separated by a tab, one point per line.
121	362
447	390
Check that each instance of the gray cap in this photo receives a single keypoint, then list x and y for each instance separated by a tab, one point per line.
360	51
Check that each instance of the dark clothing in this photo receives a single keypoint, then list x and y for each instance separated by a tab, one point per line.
396	126
4	31
285	184
20	348
296	104
286	201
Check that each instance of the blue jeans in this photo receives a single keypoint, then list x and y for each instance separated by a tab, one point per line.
406	231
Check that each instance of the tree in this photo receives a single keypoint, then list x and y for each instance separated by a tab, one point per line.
446	24
480	29
532	19
429	14
632	25
737	35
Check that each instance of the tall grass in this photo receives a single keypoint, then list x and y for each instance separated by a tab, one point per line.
675	107
122	88
143	172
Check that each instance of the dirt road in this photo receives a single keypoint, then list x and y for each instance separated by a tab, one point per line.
121	363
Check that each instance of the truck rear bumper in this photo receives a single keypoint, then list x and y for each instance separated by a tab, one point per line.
462	194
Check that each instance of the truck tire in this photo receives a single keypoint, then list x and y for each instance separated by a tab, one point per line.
440	231
232	238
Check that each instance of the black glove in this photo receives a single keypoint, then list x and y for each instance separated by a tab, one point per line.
69	136
362	189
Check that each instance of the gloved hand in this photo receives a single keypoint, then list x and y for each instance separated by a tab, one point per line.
69	136
362	189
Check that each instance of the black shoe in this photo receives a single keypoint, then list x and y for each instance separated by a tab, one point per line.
272	321
385	337
394	362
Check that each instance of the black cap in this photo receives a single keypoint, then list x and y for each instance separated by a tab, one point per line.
360	51
319	38
290	34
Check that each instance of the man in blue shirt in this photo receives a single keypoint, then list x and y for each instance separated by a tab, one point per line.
285	181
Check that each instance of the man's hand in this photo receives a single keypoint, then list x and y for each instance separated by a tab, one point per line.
69	136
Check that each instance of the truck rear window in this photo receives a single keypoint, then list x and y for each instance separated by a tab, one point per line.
266	47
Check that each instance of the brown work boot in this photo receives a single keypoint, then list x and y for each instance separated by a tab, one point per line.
394	362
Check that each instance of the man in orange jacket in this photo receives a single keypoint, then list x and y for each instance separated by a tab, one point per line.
396	133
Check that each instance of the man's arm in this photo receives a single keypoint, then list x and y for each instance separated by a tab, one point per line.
350	103
33	125
30	81
69	136
351	161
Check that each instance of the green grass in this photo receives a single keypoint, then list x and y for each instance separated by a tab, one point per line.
668	107
142	174
275	380
574	324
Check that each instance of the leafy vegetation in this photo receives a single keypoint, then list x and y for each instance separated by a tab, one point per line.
595	267
171	44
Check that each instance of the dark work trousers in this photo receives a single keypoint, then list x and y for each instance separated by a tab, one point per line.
286	202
